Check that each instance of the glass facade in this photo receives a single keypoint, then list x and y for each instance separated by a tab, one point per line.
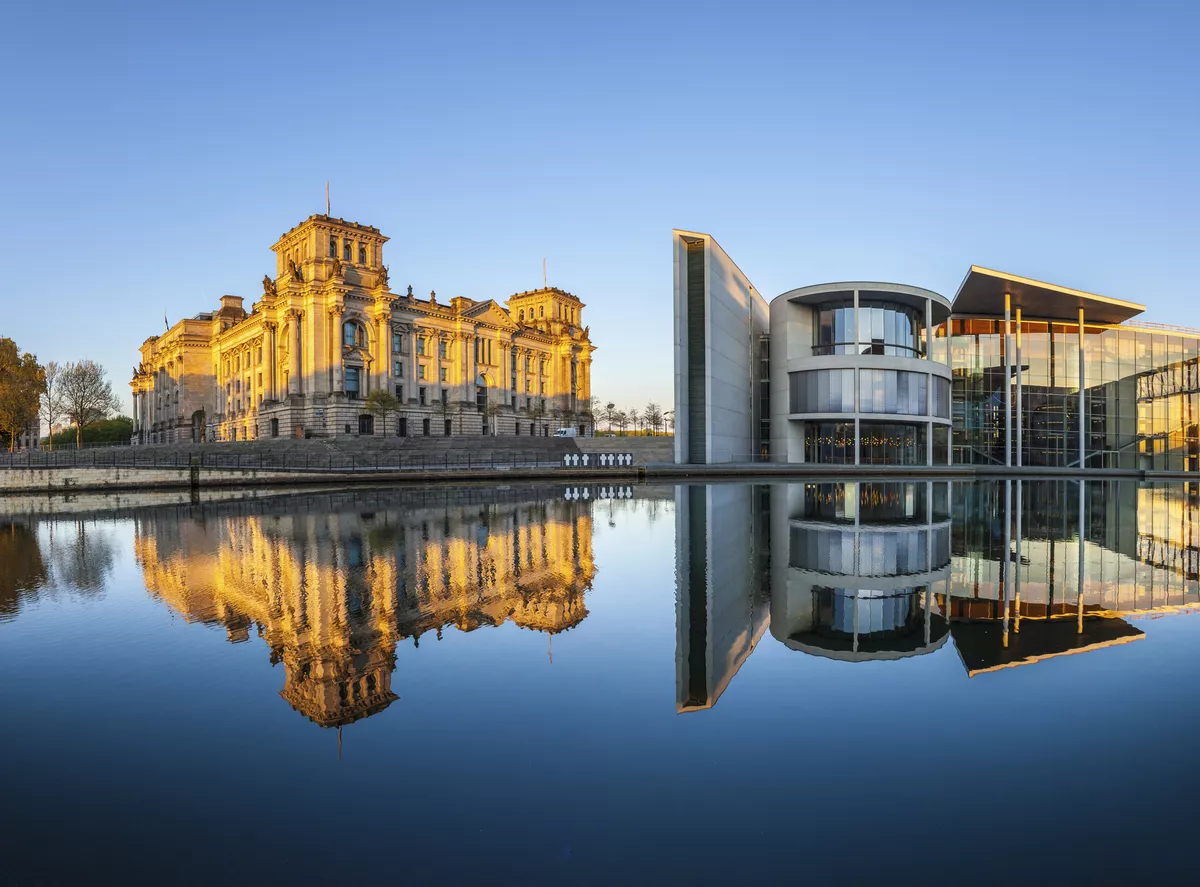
821	391
884	327
829	442
892	391
1141	387
892	443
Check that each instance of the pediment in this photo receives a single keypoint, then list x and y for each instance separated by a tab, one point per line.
491	313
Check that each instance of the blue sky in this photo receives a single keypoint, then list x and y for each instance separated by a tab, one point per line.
153	153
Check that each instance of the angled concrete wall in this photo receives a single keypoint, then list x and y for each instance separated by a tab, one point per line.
732	319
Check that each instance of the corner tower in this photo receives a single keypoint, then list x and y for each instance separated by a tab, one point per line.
322	247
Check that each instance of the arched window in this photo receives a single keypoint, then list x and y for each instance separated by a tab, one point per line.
362	254
333	247
353	335
542	311
522	314
346	251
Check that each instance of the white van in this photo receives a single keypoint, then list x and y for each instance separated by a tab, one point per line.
565	432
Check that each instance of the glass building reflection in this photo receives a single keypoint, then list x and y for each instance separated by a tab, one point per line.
333	582
1009	573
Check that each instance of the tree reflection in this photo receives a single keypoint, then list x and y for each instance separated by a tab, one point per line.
22	570
81	555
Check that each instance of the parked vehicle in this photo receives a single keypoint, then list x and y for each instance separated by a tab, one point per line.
566	432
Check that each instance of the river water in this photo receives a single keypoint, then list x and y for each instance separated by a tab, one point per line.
833	682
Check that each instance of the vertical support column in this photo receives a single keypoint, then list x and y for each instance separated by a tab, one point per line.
383	322
1082	452
1006	564
272	393
1079	597
1017	559
336	380
1007	388
413	381
857	423
1019	443
928	355
294	354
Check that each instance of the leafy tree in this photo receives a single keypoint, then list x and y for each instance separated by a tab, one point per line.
381	403
87	396
22	381
51	403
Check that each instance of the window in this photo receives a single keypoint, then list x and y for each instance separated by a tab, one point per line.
441	348
333	247
421	398
352	334
445	397
400	393
421	371
398	369
526	364
260	355
346	251
362	254
260	380
522	315
352	382
395	343
541	311
444	374
421	347
891	391
821	391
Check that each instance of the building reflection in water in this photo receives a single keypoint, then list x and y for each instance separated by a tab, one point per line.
333	582
1013	572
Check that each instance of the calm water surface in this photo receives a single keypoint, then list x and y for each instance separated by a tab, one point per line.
903	682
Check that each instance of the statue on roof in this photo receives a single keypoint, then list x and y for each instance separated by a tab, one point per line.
383	275
410	295
268	286
433	297
337	268
296	273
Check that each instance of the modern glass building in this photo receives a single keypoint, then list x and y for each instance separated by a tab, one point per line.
1011	371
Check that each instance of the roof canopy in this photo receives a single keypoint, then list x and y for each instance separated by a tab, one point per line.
982	292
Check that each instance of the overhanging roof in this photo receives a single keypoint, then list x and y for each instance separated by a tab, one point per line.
982	292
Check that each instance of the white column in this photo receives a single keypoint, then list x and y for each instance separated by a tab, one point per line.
1079	598
1082	453
1019	439
1017	562
1007	385
1006	564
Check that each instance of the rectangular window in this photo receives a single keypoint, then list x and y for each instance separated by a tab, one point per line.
421	371
441	349
821	391
398	369
891	391
445	396
421	346
260	380
444	374
421	395
941	397
396	343
400	393
352	380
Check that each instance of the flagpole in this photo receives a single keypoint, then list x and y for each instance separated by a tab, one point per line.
327	197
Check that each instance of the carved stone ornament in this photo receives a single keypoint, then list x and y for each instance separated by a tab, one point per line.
383	276
296	273
268	286
337	268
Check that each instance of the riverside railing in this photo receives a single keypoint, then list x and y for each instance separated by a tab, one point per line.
383	460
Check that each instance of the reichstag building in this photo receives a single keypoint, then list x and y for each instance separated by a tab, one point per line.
328	330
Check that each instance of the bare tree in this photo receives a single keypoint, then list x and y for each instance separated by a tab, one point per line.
635	417
652	414
87	396
620	419
52	406
610	412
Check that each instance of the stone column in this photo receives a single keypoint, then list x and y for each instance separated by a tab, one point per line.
383	359
413	381
336	379
294	354
269	348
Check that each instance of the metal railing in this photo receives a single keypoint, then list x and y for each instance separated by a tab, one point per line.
383	460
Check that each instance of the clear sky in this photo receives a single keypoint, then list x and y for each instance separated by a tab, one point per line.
152	153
